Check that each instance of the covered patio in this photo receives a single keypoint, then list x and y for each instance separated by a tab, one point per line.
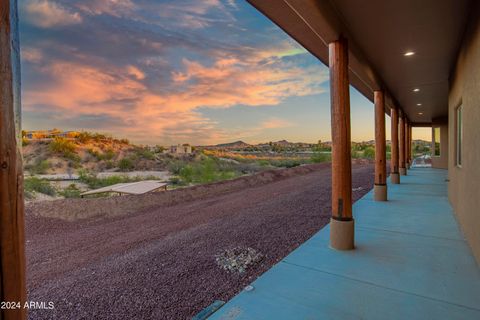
410	261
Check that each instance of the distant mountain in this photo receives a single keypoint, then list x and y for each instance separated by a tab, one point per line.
233	145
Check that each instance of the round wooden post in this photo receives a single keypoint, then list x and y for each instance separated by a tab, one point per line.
12	241
410	144
407	143
402	148
341	223
394	163
380	187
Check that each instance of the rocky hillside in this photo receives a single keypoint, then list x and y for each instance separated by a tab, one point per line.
93	152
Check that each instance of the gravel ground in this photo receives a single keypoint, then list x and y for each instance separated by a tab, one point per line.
159	258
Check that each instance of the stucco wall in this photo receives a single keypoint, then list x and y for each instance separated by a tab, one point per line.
464	185
442	160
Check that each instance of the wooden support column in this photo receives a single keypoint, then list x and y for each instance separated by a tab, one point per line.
12	241
410	143
394	162
407	144
380	187
341	223
402	170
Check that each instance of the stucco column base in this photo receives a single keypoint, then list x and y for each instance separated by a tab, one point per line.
342	234
403	171
380	192
395	177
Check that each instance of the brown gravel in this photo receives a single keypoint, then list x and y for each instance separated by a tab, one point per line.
153	256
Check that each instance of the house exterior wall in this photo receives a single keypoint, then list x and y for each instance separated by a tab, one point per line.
464	181
440	161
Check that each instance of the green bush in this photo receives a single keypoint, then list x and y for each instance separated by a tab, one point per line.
174	166
93	182
206	170
62	146
34	184
39	167
369	153
71	191
318	157
126	164
145	153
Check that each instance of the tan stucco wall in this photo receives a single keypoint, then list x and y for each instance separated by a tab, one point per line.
442	160
464	185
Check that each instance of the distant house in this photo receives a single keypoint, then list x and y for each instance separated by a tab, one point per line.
50	134
181	149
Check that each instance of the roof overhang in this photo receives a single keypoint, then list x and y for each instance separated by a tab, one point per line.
379	32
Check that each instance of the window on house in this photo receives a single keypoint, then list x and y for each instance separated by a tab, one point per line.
436	141
459	134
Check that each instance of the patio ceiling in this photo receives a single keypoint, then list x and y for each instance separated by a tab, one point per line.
380	32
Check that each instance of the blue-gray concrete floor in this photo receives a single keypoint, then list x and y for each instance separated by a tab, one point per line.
410	262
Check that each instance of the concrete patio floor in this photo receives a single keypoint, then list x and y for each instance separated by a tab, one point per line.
410	262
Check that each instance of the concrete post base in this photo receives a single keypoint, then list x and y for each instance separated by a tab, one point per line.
342	234
403	171
380	192
395	178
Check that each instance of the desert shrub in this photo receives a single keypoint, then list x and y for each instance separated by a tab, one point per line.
71	191
126	164
319	157
39	167
94	182
288	163
109	164
34	184
25	142
145	153
204	171
263	162
109	154
84	137
174	166
369	153
62	146
355	154
159	149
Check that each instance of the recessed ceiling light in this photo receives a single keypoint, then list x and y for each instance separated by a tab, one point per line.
409	53
416	90
419	104
420	113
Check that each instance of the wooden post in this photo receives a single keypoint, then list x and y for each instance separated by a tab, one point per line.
402	170
407	143
12	241
410	144
394	163
341	223
380	187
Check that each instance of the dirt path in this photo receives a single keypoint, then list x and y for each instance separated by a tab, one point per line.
159	262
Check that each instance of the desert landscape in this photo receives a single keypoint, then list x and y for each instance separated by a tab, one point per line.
169	255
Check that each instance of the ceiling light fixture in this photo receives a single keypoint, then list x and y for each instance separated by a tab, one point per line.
419	104
409	53
416	90
420	113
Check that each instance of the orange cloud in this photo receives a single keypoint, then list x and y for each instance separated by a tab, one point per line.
172	112
274	123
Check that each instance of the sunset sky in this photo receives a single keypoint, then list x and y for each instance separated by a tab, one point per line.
167	72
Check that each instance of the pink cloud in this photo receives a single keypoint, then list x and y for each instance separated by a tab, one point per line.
46	14
172	113
274	123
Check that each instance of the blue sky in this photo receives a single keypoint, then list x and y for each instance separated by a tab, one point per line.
165	72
